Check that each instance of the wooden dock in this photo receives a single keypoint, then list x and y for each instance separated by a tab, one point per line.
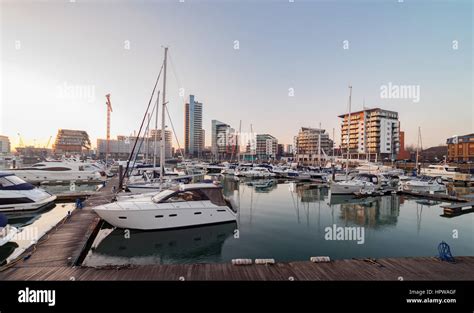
63	245
73	196
458	209
434	196
390	269
57	256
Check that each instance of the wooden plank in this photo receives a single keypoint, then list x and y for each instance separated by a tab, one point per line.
458	205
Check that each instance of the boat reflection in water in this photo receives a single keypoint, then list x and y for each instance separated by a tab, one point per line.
185	245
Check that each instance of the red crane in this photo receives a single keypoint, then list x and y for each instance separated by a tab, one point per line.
109	109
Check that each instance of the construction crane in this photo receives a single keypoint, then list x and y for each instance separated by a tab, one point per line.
109	109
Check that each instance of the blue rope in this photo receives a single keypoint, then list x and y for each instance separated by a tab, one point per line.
445	252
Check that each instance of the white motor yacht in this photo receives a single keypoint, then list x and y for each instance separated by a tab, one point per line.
258	172
61	171
424	184
18	195
445	171
361	183
183	206
374	168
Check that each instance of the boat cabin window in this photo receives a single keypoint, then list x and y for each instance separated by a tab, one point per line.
452	169
57	169
370	179
190	195
38	165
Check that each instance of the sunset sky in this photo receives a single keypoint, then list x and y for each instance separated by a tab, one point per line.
60	58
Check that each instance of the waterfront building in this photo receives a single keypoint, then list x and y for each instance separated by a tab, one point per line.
403	154
70	141
461	148
121	147
280	150
373	133
307	145
194	136
4	145
224	141
289	149
266	147
168	141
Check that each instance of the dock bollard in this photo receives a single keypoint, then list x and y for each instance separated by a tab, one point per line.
241	261
320	259
264	261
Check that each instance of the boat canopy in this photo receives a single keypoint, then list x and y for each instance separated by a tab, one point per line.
9	181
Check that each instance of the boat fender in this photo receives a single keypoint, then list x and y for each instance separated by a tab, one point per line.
320	259
264	261
241	261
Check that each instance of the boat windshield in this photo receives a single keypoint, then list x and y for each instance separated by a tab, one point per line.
14	183
162	195
11	180
370	179
173	195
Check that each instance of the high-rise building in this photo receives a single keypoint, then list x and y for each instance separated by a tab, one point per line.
307	145
266	147
4	144
373	132
461	148
194	136
72	141
224	141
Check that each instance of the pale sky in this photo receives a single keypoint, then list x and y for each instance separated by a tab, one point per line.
49	47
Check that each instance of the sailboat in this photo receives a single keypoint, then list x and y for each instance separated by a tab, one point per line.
423	183
362	183
184	205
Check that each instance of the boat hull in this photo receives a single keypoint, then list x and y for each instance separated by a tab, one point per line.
170	217
31	206
33	176
424	188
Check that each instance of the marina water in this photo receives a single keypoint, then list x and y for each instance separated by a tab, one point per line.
290	222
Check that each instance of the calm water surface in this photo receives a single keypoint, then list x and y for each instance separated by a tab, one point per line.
287	223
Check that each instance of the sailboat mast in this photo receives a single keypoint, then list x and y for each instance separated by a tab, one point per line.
155	147
238	142
348	131
319	145
162	132
418	150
